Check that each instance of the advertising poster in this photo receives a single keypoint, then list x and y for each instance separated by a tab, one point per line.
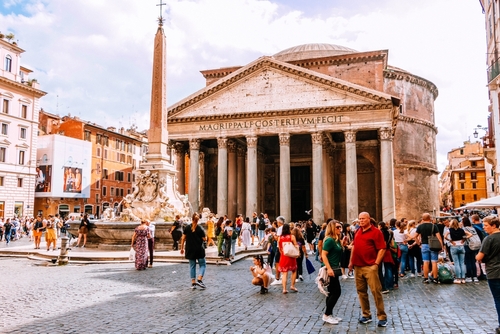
43	179
72	180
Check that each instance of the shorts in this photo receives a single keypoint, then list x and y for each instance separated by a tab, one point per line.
427	254
83	230
277	256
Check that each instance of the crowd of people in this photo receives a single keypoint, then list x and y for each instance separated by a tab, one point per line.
376	254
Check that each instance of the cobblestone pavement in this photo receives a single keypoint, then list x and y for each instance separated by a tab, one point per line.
115	298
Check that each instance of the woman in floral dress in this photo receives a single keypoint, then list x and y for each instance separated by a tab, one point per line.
140	237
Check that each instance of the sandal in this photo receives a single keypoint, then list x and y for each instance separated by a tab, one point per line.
285	292
294	289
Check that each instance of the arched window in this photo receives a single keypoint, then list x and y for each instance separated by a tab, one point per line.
8	63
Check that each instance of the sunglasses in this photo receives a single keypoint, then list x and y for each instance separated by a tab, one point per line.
339	227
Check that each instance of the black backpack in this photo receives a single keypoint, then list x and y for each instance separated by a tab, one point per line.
262	224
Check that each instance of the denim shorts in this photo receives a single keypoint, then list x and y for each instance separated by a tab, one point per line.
427	254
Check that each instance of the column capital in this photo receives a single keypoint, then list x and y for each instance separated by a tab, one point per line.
241	151
252	141
231	146
179	147
385	133
284	139
350	136
194	144
317	138
221	142
201	157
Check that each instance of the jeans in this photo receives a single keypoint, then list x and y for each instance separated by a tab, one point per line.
192	267
414	253
494	285
404	257
233	247
388	276
7	237
227	248
262	234
334	292
470	262
458	254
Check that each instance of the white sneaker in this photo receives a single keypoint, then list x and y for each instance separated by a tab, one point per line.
296	280
468	280
330	319
457	281
475	280
343	277
276	282
412	275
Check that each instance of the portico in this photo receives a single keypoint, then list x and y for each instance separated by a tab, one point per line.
321	146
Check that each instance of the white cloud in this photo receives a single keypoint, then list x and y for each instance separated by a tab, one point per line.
94	57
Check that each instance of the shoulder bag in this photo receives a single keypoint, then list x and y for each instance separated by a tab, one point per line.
290	250
434	243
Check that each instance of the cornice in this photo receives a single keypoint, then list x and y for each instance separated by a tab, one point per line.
418	167
409	119
219	73
282	113
341	59
403	75
38	93
267	62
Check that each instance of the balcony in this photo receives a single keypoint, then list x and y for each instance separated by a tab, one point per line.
494	70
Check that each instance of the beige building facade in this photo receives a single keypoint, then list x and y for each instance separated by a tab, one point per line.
316	127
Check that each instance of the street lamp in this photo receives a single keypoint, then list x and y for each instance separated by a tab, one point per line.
479	127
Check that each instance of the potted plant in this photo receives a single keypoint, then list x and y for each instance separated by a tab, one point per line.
10	36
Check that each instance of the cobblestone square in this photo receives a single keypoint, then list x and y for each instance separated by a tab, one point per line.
115	298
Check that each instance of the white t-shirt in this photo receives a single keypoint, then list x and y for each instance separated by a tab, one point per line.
398	236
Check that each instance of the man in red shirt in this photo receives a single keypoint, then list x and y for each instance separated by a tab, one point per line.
366	256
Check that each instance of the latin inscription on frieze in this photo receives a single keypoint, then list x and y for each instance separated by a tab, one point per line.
285	122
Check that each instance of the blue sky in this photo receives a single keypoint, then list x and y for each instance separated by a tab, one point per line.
93	57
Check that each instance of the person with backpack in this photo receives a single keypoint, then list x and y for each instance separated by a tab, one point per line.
219	227
457	236
261	223
176	232
472	245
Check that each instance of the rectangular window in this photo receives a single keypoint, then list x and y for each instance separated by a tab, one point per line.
473	175
473	163
106	141
128	191
98	151
21	157
18	208
3	153
112	192
87	136
8	63
24	111
121	192
105	154
22	133
129	177
129	159
97	184
2	209
474	185
105	174
103	191
98	139
5	129
1	181
461	176
119	176
5	108
492	187
462	186
96	198
475	197
463	197
19	182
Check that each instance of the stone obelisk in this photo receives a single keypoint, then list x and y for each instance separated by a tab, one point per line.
158	158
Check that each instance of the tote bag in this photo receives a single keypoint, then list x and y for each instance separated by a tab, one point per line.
290	250
434	243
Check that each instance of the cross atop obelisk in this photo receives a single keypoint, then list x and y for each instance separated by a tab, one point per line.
160	18
157	155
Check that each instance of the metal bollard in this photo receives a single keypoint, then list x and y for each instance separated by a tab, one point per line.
63	256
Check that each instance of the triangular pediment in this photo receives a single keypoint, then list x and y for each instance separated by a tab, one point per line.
269	85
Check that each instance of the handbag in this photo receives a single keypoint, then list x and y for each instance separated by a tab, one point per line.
131	255
434	243
290	250
337	272
310	267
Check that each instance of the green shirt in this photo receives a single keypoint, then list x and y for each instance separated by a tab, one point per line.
334	250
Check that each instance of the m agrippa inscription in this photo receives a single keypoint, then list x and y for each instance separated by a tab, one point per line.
235	125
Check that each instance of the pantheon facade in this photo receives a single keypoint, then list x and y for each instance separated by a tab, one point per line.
317	129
